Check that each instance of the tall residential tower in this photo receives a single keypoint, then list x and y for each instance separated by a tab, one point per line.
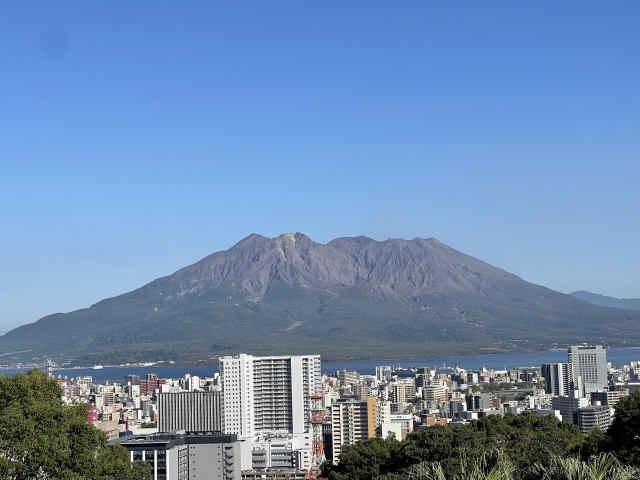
268	394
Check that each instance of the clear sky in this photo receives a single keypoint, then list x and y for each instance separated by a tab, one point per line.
138	137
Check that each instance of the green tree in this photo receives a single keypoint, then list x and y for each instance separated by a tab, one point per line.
455	447
523	440
40	437
532	439
624	432
595	442
364	460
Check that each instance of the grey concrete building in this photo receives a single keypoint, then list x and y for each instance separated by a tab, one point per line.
190	411
608	398
591	417
179	456
591	363
561	379
478	401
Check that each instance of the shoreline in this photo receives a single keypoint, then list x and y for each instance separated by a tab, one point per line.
328	359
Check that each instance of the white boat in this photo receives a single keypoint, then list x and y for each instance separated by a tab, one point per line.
98	367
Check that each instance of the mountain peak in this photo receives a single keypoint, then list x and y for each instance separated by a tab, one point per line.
350	296
294	238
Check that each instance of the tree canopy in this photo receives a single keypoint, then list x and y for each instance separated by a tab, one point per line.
624	433
524	440
42	438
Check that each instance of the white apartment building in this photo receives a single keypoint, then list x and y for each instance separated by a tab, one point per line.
434	391
268	394
406	423
383	411
568	405
349	424
84	382
283	451
353	421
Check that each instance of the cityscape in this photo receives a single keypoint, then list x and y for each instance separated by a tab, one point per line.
285	240
262	417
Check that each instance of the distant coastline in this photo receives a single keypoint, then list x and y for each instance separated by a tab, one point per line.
617	356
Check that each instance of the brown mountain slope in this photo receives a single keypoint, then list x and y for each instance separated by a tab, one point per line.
349	297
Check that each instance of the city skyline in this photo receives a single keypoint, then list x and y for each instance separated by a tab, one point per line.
263	408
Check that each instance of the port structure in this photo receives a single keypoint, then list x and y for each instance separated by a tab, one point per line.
317	444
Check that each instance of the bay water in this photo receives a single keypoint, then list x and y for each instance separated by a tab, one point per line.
617	356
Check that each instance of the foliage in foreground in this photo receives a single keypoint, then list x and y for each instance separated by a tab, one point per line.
497	466
523	447
525	440
623	435
41	438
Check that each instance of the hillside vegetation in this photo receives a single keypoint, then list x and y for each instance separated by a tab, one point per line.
352	297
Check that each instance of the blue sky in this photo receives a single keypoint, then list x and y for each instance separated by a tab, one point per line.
138	137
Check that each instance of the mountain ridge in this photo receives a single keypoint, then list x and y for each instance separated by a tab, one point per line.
350	297
609	302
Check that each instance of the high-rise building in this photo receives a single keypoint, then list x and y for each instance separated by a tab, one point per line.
354	421
383	373
268	394
360	391
561	379
591	363
192	412
192	383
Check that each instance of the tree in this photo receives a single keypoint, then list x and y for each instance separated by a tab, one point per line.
595	441
532	439
523	440
624	432
40	437
364	460
455	447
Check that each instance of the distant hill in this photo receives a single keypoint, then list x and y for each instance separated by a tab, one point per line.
611	302
352	297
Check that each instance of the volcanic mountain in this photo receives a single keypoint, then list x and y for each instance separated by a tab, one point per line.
352	297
